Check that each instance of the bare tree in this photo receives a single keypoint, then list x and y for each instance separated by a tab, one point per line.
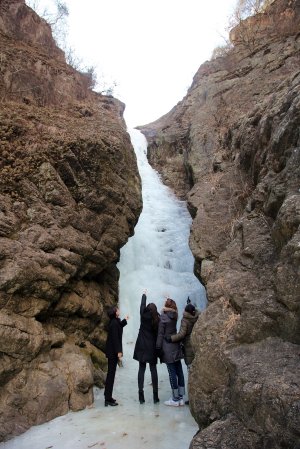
245	30
56	16
73	59
247	8
90	76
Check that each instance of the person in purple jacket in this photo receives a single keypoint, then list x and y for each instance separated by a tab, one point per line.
171	353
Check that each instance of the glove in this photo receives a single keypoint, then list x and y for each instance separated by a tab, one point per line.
168	339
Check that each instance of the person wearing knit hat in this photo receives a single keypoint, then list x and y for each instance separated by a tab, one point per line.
190	316
190	308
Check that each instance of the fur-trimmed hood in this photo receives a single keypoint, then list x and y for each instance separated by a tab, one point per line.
168	313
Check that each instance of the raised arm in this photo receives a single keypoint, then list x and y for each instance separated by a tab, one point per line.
124	322
143	303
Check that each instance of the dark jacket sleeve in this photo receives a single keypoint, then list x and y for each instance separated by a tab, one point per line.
123	323
143	303
115	336
160	335
182	332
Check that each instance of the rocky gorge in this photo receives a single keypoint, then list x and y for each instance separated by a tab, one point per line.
231	148
70	196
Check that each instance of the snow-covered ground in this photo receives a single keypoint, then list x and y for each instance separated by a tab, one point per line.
130	425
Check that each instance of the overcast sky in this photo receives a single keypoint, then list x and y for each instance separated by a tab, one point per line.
151	48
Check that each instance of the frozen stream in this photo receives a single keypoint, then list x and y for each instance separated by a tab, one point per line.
156	258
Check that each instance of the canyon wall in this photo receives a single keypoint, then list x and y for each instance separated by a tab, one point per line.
70	195
231	148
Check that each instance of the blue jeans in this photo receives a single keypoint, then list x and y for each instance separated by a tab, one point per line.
176	379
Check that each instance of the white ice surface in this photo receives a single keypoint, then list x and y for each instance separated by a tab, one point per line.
128	426
162	263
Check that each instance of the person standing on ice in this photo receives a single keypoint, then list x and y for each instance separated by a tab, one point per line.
189	318
113	351
145	347
171	353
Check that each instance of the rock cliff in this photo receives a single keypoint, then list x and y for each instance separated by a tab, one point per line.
231	147
70	196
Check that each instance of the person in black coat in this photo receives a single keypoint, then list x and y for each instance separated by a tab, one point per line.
145	347
113	352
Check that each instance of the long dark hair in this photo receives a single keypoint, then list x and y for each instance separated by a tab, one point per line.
155	315
112	312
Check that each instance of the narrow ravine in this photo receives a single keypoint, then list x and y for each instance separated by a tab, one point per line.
156	258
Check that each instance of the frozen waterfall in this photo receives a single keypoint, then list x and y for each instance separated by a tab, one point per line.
156	258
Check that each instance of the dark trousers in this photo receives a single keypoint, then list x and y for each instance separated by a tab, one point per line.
176	375
141	376
110	378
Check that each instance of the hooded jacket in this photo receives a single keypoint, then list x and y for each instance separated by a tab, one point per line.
184	335
169	352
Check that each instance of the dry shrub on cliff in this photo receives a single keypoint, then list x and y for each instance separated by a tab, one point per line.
214	180
240	195
90	77
56	17
240	189
221	50
247	8
245	30
253	20
232	318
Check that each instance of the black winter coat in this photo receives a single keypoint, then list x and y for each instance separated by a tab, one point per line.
170	352
114	338
145	347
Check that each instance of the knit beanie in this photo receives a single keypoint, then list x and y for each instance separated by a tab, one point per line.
190	309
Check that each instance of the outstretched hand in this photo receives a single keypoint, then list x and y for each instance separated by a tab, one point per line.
126	317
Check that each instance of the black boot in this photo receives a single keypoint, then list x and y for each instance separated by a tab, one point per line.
111	402
141	397
155	397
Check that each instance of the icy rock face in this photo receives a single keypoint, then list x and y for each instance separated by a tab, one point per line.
70	196
231	147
